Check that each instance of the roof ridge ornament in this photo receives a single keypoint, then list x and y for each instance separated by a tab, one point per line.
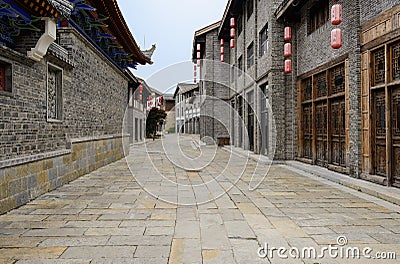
148	53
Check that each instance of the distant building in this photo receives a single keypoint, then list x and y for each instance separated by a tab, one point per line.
169	107
143	99
213	86
187	108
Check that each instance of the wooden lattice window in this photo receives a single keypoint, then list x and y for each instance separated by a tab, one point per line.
307	128
396	114
320	84
337	79
2	77
380	115
318	16
307	89
395	67
321	115
378	58
5	77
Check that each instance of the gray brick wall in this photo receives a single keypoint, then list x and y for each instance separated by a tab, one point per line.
214	119
371	8
94	101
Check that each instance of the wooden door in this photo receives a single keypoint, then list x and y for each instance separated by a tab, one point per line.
338	132
307	130
396	136
321	133
379	132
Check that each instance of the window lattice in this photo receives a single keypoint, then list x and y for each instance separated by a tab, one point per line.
396	114
320	84
337	79
379	66
396	61
307	89
321	115
380	115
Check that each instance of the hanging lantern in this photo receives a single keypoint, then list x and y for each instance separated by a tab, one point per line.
222	50
194	80
195	67
198	47
288	66
287	50
232	32
233	22
198	55
288	34
195	73
222	42
336	14
198	63
140	89
232	43
222	58
336	38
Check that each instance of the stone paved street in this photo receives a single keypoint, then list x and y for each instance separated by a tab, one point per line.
110	216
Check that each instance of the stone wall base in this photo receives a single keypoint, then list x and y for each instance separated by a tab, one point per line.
23	179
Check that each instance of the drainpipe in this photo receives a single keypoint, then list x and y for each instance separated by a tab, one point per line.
49	36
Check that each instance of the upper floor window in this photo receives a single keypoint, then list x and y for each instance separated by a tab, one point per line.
233	68
250	55
239	25
5	77
318	16
250	8
240	65
263	41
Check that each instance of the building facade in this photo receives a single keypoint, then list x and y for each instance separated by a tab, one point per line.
64	92
338	108
213	85
169	107
187	108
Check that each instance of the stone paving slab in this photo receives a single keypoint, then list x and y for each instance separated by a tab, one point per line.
106	216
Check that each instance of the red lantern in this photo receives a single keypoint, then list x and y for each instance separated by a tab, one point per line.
232	43
195	67
336	14
198	47
288	66
232	32
198	63
233	22
222	50
194	80
222	58
287	50
222	42
140	89
288	34
336	38
198	55
195	73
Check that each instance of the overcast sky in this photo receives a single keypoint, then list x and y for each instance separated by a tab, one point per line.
170	25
